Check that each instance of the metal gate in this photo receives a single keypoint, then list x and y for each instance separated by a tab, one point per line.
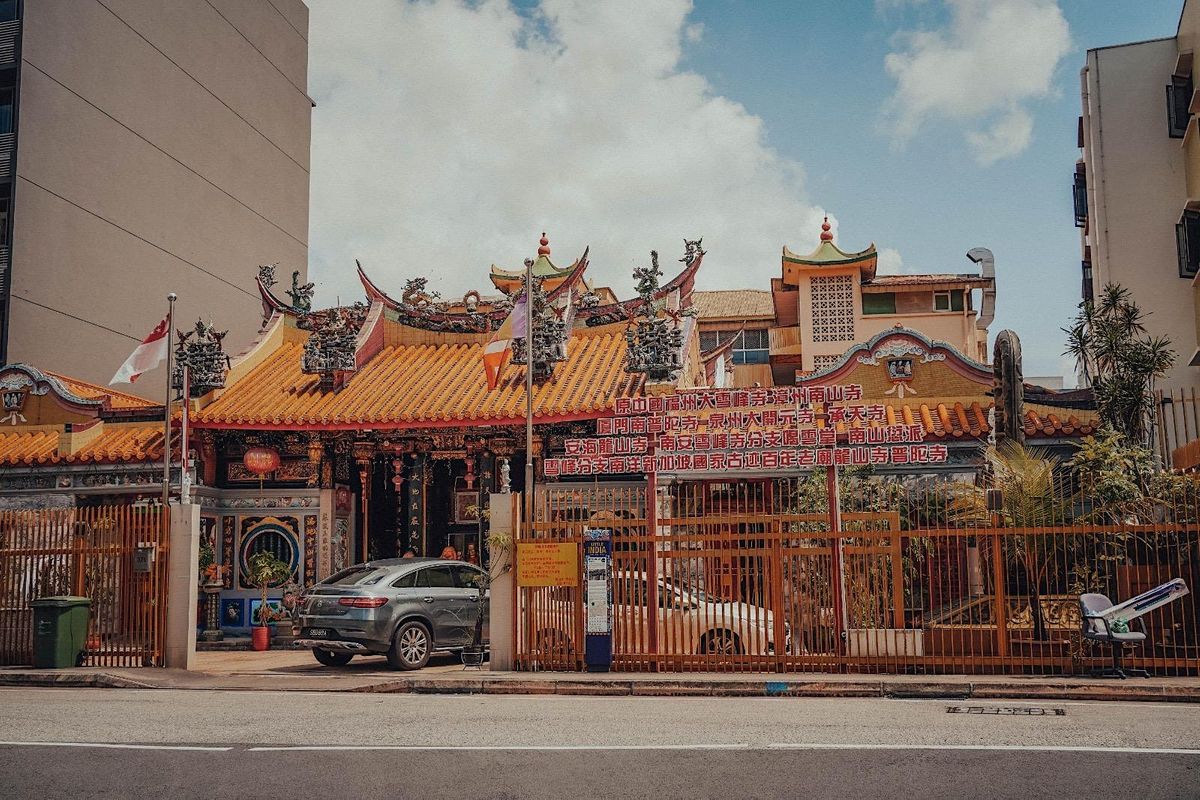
114	555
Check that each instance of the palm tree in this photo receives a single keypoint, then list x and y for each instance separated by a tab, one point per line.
1029	497
1120	360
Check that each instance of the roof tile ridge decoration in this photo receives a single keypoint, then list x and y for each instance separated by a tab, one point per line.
369	341
438	319
41	383
270	333
132	399
683	283
864	353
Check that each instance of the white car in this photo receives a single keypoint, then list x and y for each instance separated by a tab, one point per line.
689	621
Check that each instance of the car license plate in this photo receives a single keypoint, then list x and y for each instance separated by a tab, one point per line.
318	633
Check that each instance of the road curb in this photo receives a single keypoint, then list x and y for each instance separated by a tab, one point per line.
1056	690
71	680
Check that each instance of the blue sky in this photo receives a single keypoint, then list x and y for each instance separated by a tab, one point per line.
818	78
447	135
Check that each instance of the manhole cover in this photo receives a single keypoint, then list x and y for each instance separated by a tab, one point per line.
1008	711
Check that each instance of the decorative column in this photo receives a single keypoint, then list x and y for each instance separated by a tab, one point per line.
364	452
414	504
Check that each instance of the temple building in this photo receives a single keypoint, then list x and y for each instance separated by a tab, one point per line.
369	430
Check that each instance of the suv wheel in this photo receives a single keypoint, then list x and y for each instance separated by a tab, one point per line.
331	658
410	647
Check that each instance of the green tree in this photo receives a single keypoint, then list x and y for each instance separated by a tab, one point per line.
266	570
1120	360
1029	497
1121	484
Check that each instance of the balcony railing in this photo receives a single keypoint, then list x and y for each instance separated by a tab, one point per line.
10	33
8	143
5	265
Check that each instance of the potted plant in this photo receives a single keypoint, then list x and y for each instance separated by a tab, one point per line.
266	570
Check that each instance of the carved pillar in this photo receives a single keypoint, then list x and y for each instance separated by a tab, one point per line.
364	452
1008	389
397	482
208	458
414	504
316	457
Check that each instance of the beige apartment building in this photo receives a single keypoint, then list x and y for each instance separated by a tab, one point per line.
828	301
146	146
1137	183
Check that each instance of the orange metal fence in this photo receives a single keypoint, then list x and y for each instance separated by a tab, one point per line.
917	576
88	552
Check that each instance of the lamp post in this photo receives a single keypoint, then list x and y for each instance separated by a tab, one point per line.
529	392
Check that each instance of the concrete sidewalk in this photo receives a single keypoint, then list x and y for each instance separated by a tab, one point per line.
296	671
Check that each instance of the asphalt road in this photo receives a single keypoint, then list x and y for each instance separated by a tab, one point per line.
134	744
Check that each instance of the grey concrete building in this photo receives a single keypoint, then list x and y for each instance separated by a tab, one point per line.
146	146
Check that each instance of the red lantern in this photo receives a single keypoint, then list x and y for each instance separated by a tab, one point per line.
261	460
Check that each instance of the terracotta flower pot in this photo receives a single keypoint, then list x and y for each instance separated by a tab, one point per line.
260	637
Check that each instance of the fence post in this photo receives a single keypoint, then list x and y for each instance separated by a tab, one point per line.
652	609
1000	611
837	575
183	576
502	621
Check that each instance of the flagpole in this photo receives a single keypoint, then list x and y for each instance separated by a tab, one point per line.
166	487
185	484
528	393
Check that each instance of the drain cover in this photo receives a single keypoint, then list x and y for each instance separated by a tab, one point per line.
1008	711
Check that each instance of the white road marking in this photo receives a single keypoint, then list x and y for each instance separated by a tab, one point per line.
741	746
116	746
487	747
1028	748
624	747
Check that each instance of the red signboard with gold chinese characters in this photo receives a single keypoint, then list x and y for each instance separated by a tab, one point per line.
746	429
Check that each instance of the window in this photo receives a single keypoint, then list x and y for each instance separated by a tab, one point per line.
6	110
1079	196
5	210
1179	97
1187	240
406	581
1087	281
749	347
948	301
8	10
355	576
884	303
752	347
435	578
466	577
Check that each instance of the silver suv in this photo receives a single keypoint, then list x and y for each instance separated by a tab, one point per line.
404	608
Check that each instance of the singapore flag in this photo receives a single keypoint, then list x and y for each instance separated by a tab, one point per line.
148	355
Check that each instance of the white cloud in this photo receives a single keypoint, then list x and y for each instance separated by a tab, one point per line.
890	262
448	135
979	72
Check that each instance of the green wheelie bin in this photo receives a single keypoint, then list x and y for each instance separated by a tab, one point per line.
60	629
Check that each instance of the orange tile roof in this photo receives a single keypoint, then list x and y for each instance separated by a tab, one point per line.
115	444
94	391
423	386
733	304
956	420
1052	421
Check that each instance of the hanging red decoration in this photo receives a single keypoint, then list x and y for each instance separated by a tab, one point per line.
261	460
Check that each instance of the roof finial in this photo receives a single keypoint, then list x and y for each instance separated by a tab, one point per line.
544	250
826	236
